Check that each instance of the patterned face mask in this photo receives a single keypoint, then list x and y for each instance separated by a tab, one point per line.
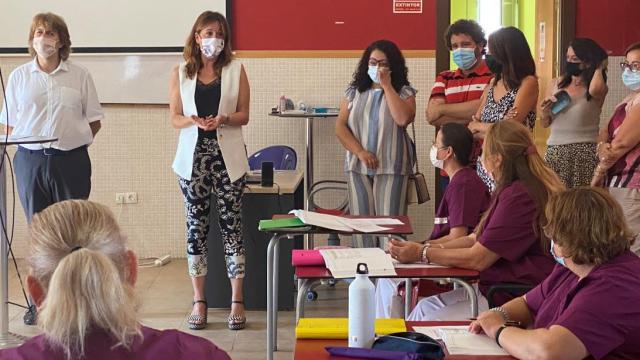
212	47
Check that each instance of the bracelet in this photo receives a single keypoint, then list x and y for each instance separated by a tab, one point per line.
500	310
500	330
424	257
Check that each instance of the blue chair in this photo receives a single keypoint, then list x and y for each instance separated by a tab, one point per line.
282	156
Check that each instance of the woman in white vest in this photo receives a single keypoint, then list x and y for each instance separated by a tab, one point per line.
210	104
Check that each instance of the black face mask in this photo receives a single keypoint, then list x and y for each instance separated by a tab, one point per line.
493	64
573	69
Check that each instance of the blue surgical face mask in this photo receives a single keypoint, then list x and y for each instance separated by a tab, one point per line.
559	260
373	74
631	79
465	58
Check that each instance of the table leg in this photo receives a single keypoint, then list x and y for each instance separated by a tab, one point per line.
304	285
308	176
275	291
271	328
473	297
408	289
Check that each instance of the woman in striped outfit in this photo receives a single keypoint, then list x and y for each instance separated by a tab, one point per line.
378	106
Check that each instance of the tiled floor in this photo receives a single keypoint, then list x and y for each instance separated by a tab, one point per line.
165	293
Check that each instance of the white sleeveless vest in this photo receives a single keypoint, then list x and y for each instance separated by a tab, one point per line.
230	138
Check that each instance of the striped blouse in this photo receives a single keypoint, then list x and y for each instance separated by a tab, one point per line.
371	123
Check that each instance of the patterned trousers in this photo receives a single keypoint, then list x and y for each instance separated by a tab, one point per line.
210	175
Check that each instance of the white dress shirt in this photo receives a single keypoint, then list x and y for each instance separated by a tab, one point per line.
59	105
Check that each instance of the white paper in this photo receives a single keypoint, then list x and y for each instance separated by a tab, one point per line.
321	220
377	221
338	222
363	226
343	262
459	341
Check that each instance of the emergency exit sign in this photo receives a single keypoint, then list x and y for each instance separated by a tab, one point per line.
407	6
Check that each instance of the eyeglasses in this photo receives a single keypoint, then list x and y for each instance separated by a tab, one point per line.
433	143
634	66
380	63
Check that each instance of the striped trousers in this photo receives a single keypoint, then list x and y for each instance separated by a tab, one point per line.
381	195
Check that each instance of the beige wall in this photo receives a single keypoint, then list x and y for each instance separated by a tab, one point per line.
135	148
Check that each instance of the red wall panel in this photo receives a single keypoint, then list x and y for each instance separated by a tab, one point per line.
612	23
311	25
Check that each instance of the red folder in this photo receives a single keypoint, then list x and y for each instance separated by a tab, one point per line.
306	258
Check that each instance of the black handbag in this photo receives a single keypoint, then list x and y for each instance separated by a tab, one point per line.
411	342
417	191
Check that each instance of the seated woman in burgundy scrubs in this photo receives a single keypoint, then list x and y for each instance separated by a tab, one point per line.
588	306
508	246
464	201
82	279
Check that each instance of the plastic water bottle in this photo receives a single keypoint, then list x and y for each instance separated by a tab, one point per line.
283	104
362	309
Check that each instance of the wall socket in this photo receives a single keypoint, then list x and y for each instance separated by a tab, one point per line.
127	198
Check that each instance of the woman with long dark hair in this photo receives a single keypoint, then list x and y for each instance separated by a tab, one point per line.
571	146
378	106
513	93
209	103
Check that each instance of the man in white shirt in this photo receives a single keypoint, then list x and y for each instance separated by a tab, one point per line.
55	98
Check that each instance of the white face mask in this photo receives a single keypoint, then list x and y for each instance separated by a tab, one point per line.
433	155
211	47
44	46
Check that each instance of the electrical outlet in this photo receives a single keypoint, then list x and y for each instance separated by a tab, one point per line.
127	198
131	198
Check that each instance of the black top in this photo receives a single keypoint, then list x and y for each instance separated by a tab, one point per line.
207	99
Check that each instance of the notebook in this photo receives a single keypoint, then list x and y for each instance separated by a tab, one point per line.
283	223
338	328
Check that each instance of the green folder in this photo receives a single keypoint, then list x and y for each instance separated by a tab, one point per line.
283	223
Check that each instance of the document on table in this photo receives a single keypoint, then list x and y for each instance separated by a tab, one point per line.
343	262
459	341
344	224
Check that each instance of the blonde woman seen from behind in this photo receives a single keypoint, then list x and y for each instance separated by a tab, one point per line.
82	280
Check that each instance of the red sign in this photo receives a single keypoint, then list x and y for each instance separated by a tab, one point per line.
407	6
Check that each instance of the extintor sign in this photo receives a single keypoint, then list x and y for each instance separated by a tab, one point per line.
407	6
